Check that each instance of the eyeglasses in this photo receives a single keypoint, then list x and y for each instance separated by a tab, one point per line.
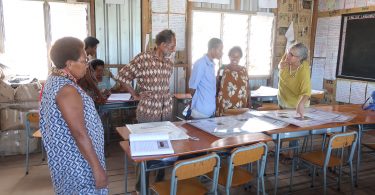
85	61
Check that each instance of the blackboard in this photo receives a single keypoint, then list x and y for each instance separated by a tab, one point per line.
356	59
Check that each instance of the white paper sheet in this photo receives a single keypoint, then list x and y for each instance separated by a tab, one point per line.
159	6
340	4
150	144
212	1
357	92
159	23
289	34
370	88
267	3
321	37
312	117
349	4
370	2
177	24
317	73
119	97
174	132
343	91
360	3
115	1
333	39
177	6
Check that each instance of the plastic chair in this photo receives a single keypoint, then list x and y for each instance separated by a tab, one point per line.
232	175
326	159
185	172
230	112
31	117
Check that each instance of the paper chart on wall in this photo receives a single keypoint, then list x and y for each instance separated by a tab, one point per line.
177	24
159	6
159	23
360	3
321	37
333	40
370	89
317	73
357	92
343	91
212	1
267	3
177	6
370	2
349	4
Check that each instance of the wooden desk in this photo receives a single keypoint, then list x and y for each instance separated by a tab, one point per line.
361	117
206	143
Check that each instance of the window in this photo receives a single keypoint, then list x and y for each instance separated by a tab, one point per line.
252	32
26	42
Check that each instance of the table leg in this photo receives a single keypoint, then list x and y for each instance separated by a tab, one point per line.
360	129
143	178
276	164
126	173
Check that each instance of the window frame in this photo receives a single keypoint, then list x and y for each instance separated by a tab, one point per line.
222	12
90	20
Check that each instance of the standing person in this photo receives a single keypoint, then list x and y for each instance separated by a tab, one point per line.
294	79
202	82
89	82
72	131
153	70
234	88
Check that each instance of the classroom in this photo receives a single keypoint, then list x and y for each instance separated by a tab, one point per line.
187	97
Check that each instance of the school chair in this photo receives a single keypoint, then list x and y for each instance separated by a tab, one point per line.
32	117
233	175
183	179
235	111
326	159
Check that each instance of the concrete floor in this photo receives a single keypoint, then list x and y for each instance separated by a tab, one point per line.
13	180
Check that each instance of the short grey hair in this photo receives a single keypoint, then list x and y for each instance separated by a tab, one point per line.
302	51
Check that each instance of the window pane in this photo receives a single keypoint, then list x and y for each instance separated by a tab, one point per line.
235	33
62	17
260	44
25	46
206	25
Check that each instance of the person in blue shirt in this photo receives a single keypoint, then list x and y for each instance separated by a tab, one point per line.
202	82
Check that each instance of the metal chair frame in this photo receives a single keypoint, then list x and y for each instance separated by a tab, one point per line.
31	117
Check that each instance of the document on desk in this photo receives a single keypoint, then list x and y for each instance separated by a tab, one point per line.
228	126
174	132
119	97
144	144
312	117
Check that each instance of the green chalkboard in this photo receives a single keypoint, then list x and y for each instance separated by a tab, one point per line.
356	59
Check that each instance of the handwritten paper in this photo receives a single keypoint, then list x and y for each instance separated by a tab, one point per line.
177	24
343	91
357	92
267	3
321	37
370	89
159	6
177	6
159	23
333	39
317	73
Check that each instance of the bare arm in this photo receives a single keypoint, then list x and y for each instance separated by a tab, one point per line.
70	104
301	105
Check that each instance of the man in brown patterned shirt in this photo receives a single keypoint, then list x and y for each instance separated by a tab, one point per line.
153	70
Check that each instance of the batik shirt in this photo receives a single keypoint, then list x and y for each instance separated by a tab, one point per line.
153	75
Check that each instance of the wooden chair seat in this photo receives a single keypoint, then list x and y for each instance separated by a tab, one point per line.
240	176
317	158
184	187
370	145
37	134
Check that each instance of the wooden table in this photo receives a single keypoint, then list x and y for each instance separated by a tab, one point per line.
206	143
361	117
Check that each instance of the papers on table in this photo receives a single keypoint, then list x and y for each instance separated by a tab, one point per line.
150	144
174	132
312	117
237	125
264	91
119	97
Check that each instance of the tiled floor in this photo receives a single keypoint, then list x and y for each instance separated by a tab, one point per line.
14	181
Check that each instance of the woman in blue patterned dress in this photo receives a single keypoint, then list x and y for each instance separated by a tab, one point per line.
72	131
